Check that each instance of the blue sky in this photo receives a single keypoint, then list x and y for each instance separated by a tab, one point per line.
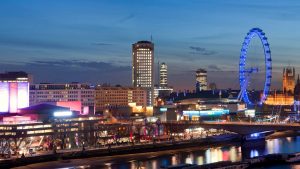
90	41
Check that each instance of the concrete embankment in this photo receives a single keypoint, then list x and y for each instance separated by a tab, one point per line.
121	150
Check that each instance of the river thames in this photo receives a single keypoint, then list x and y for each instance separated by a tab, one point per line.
153	160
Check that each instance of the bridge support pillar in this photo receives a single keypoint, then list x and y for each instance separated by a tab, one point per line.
249	142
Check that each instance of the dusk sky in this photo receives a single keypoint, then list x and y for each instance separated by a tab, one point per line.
90	41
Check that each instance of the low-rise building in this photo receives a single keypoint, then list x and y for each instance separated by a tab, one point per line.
14	91
59	93
115	97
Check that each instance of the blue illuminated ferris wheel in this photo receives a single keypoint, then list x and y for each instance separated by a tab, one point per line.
246	72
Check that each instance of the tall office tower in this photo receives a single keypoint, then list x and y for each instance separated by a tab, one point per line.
142	67
163	75
14	91
201	80
288	80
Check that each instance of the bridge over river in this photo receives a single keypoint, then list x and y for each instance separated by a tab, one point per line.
243	128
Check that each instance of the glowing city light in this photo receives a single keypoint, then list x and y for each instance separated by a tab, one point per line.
13	97
4	96
62	113
206	112
23	95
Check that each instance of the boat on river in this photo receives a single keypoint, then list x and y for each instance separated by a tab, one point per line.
293	158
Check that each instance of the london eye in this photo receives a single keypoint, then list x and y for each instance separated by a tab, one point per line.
247	72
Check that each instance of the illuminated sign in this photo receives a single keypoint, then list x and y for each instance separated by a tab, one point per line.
163	109
62	113
250	112
152	119
217	112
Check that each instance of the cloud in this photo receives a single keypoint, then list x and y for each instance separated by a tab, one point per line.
101	44
85	65
218	36
65	71
126	18
207	53
198	49
201	51
214	68
35	43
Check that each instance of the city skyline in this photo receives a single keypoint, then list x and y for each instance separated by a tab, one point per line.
65	42
149	84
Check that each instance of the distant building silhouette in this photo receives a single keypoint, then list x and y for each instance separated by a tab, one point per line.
288	80
163	75
212	86
297	90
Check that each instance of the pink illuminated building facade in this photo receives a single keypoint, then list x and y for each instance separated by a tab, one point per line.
73	106
70	95
14	91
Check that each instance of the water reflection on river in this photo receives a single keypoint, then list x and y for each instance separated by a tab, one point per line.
193	156
224	153
232	153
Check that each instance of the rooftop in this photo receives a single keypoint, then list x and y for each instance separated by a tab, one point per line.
13	75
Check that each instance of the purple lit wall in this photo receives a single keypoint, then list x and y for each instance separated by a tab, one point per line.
13	96
23	94
4	96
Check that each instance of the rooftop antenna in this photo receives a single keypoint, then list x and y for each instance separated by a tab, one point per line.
158	69
157	78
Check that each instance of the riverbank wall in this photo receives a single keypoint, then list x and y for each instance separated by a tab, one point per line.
121	150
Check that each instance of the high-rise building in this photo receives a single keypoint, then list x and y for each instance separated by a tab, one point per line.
162	90
288	80
14	91
201	80
143	68
163	75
